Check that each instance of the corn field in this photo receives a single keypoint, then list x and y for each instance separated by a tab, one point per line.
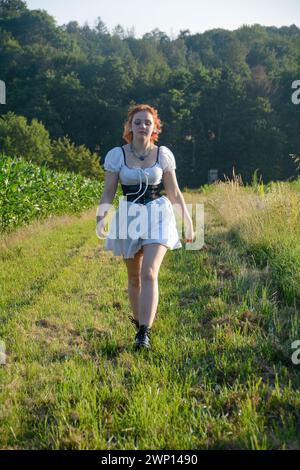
29	192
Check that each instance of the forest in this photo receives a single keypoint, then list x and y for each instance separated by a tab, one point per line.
225	97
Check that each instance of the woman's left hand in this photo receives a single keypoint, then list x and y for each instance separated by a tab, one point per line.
189	234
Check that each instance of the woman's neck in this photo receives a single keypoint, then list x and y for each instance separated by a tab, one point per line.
141	147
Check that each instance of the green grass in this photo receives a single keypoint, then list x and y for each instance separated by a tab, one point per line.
219	376
265	223
296	184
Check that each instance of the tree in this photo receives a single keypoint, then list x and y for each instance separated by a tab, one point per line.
119	31
30	141
75	159
101	27
12	8
79	82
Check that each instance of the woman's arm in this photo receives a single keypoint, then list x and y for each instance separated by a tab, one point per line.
109	192
175	195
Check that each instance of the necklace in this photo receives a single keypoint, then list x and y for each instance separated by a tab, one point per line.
141	157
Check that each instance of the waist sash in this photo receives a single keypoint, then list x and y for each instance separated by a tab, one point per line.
152	192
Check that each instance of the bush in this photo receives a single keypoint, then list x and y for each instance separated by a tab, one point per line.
32	142
20	139
76	159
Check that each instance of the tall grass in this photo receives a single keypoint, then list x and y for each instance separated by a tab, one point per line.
296	184
266	221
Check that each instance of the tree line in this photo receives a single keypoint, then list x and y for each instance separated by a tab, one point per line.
224	96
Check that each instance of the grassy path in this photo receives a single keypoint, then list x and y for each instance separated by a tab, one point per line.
215	377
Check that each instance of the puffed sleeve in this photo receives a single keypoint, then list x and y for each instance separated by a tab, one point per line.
113	160
167	159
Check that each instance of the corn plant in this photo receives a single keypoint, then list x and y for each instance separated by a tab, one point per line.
29	192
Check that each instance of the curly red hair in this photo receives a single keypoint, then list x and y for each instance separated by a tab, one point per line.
127	134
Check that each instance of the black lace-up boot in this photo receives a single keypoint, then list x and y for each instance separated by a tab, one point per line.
134	322
142	339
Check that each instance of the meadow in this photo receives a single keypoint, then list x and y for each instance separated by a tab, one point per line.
220	374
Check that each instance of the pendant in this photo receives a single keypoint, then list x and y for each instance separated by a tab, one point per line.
142	157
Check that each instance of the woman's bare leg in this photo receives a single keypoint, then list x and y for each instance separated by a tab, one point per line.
151	262
134	281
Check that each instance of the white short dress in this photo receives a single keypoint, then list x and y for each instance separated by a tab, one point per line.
133	224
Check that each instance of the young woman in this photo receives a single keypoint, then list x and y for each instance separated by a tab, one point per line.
142	168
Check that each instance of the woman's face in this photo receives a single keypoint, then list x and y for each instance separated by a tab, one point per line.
142	125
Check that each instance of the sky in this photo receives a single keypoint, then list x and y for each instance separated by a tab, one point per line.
172	16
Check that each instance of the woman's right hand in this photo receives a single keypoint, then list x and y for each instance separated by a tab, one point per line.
100	229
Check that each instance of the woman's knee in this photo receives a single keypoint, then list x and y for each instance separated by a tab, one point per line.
134	280
134	270
149	274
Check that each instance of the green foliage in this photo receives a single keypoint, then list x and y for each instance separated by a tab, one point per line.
29	192
65	155
207	189
30	141
234	85
283	259
296	160
265	221
12	8
296	184
257	185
